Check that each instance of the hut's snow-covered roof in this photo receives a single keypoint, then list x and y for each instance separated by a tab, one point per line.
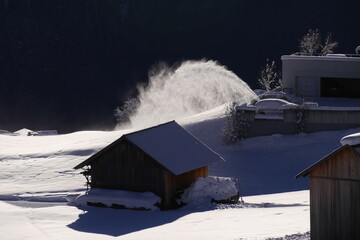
174	147
171	146
306	172
350	141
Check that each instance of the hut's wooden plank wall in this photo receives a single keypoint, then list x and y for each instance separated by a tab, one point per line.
335	197
125	166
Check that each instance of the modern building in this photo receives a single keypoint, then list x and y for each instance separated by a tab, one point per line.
334	75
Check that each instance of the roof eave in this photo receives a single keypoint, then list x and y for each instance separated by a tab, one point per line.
307	171
94	156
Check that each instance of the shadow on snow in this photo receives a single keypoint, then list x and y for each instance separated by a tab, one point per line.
115	222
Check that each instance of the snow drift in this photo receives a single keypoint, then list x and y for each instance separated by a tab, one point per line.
119	199
205	190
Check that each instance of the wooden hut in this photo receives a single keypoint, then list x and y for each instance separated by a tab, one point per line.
335	195
163	159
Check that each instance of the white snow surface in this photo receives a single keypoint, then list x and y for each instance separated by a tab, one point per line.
262	217
37	178
23	132
42	167
127	199
271	104
204	190
277	94
174	148
352	139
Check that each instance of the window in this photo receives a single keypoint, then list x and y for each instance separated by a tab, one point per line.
340	87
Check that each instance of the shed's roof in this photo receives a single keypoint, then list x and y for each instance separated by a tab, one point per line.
170	145
306	172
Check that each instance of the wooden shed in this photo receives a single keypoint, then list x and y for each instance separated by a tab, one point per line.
335	195
163	159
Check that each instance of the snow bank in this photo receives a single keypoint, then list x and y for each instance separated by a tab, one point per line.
274	105
352	139
204	190
119	198
47	132
6	132
262	94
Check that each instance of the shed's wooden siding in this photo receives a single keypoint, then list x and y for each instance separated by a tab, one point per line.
127	167
335	197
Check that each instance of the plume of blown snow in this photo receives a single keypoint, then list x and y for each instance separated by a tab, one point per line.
191	88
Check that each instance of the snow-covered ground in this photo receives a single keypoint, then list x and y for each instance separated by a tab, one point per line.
263	217
37	179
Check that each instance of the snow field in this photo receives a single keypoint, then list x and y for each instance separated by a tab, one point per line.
37	176
276	217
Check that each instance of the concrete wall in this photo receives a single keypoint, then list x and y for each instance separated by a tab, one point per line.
301	75
315	120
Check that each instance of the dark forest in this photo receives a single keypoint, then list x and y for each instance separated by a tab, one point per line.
68	64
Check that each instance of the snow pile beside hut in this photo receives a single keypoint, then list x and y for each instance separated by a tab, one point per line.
210	189
119	199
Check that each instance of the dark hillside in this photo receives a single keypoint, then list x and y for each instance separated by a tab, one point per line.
67	64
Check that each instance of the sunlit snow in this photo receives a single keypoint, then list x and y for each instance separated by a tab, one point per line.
37	179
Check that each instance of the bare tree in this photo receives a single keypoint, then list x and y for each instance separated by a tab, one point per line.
268	77
329	45
310	42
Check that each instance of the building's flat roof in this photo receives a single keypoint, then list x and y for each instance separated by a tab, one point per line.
339	58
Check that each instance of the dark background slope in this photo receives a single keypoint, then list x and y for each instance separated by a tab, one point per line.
67	64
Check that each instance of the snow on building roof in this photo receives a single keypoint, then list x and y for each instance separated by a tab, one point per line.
28	132
352	139
23	132
172	146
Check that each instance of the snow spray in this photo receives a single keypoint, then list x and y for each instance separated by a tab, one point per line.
191	88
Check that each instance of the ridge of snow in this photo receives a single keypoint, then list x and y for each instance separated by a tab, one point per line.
127	199
352	139
203	190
